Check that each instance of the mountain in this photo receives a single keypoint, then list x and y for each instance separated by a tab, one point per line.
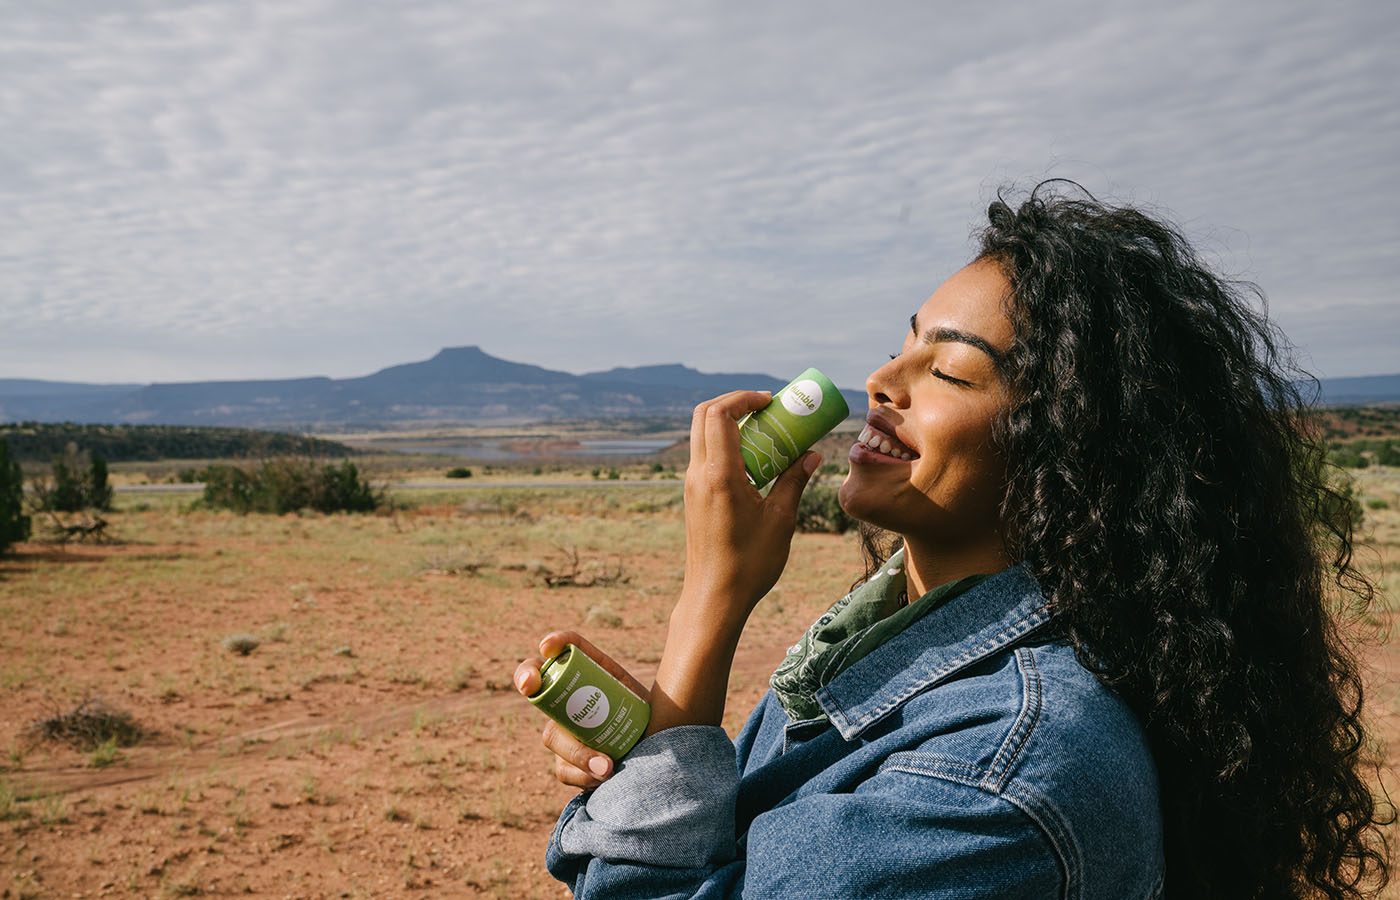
1359	391
459	384
29	387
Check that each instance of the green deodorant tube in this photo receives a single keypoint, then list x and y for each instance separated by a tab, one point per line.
591	704
799	416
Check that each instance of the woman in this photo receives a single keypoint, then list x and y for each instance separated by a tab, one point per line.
1104	660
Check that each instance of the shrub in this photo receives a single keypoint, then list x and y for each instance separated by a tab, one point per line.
343	489
242	644
228	487
459	472
79	482
1348	458
286	484
14	524
99	492
1388	454
89	725
820	511
1345	506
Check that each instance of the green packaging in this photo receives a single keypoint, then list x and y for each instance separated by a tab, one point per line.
799	416
591	704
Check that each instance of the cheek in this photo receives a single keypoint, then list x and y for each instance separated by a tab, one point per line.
956	450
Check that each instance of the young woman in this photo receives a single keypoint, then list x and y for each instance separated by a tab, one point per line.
1104	658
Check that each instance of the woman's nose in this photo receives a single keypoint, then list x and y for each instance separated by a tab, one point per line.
886	385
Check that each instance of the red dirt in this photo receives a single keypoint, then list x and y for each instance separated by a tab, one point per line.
409	768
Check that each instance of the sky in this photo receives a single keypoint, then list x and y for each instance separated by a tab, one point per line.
237	189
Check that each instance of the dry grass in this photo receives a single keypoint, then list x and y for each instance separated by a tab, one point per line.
372	745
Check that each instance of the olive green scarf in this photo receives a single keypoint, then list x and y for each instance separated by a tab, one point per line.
856	624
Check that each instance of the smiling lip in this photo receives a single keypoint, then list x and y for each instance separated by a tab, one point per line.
878	442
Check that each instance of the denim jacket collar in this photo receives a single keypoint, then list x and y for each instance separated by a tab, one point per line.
962	632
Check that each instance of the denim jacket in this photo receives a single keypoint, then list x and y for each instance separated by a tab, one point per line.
970	756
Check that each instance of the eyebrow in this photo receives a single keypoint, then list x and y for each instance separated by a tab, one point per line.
937	334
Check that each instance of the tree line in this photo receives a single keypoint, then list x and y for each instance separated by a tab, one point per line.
41	441
77	482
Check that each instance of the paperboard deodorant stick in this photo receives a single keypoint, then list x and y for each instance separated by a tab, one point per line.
591	704
800	414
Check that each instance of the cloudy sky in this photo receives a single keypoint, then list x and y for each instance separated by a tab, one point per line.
240	189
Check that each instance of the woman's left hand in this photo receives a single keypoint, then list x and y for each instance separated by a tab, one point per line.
736	540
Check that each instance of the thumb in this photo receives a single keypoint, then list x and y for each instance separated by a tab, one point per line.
787	490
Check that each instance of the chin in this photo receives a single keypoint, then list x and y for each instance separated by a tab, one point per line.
864	506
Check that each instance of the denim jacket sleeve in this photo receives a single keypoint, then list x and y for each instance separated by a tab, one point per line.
663	826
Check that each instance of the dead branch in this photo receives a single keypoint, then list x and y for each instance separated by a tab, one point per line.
579	575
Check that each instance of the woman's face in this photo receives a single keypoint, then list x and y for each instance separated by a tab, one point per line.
924	466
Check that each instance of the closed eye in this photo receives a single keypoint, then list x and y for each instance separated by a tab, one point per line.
946	377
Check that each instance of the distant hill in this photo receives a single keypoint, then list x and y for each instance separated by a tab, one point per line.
28	387
1360	391
459	384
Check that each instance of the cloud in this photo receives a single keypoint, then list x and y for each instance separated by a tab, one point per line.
244	189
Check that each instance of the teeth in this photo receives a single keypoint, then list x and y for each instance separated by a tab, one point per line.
882	443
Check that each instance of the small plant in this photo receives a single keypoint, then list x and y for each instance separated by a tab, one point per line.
104	754
462	677
9	803
1377	504
242	644
184	888
90	725
602	617
452	562
459	472
53	810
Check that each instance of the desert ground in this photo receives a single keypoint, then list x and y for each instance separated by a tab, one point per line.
370	745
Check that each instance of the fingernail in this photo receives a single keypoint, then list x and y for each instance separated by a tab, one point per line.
520	681
809	465
598	766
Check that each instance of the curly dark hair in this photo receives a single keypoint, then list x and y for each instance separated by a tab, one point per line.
1170	491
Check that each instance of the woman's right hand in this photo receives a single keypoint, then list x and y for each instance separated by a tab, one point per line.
575	762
